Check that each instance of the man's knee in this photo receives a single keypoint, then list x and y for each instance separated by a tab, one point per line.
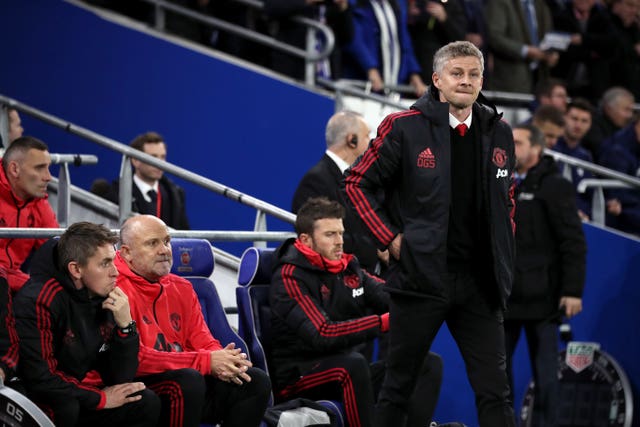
66	412
190	382
260	384
146	409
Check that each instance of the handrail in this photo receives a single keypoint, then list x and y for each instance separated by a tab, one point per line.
599	170
311	54
220	235
129	152
361	88
600	183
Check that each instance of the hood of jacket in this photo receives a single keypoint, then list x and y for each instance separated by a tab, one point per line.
437	111
142	286
287	253
546	166
44	266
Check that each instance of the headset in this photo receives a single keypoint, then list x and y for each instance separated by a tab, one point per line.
353	141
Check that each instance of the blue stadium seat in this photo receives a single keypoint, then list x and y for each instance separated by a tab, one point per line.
193	259
254	315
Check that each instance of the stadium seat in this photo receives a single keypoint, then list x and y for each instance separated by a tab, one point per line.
254	315
193	259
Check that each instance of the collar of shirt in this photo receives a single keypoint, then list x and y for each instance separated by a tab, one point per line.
520	176
144	187
342	165
454	122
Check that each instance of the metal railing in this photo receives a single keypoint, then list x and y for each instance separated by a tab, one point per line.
311	54
262	208
614	179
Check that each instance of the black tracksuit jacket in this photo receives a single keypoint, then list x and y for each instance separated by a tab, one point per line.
316	313
550	243
64	334
410	159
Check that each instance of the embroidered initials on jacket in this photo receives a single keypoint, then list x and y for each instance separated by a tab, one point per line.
426	159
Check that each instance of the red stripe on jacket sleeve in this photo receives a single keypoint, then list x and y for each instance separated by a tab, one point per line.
316	317
353	181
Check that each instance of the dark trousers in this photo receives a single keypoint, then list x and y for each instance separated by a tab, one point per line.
143	413
356	383
542	340
475	322
189	398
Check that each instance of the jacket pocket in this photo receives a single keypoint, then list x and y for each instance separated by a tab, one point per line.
532	280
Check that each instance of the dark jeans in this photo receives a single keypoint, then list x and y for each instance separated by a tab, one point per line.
189	398
475	322
542	340
143	413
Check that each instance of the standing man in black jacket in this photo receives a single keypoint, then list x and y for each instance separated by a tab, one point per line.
445	166
550	266
72	320
323	306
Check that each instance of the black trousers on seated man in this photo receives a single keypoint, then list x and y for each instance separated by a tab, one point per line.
189	398
142	413
475	322
351	379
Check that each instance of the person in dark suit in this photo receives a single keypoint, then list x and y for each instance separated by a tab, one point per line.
152	192
347	136
550	266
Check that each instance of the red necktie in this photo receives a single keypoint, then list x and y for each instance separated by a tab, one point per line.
462	129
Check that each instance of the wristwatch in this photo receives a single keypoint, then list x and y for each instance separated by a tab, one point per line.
129	329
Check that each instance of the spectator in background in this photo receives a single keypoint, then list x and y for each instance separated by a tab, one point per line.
15	130
551	123
381	51
24	177
578	119
626	66
615	112
71	319
347	136
551	91
515	31
152	192
550	267
432	24
15	125
476	31
196	378
585	65
335	13
621	152
323	305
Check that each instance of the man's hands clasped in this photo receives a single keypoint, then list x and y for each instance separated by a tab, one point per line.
230	365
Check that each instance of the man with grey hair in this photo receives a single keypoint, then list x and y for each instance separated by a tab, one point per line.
445	167
615	112
347	136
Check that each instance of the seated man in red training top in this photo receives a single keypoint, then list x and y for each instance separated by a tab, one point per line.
24	176
323	305
196	379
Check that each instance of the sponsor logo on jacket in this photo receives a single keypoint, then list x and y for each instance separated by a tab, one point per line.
426	159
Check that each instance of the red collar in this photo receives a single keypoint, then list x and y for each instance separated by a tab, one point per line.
335	267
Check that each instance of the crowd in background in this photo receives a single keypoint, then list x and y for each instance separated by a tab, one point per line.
590	44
